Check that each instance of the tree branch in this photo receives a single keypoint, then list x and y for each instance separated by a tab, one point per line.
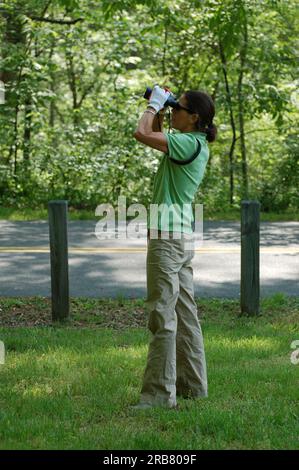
51	20
85	93
259	130
90	87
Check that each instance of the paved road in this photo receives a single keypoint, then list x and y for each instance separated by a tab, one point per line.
108	268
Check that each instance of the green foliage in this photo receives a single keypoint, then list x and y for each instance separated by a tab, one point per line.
74	92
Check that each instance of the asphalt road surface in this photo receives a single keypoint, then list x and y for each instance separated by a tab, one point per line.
110	268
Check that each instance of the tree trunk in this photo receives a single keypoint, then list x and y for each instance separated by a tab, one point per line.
232	120
13	36
14	144
243	53
214	96
52	105
165	48
52	86
27	131
72	84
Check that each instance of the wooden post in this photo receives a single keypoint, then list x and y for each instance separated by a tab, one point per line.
57	211
250	257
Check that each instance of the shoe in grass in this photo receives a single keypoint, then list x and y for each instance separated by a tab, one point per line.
147	406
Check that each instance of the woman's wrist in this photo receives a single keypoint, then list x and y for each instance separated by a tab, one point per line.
161	112
151	109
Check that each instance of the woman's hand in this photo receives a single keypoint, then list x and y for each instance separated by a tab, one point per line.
158	98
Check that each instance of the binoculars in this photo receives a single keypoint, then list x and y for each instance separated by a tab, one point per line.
171	101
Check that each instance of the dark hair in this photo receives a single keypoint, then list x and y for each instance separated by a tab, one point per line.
202	104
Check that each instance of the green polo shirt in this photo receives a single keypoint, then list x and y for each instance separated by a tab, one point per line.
175	185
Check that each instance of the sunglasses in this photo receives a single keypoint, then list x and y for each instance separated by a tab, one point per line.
176	105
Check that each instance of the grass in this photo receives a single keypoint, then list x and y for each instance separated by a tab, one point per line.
11	213
70	386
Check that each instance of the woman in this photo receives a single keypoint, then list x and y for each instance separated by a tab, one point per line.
176	364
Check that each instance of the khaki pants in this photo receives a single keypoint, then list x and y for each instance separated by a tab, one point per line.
176	364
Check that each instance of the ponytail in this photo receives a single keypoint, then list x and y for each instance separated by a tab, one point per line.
211	132
202	104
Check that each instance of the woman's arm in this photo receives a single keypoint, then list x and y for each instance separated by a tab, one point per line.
158	118
146	134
